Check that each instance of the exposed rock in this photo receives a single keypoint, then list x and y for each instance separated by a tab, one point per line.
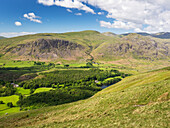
134	46
48	49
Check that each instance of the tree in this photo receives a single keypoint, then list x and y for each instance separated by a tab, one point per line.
66	65
31	91
21	97
89	64
1	102
9	104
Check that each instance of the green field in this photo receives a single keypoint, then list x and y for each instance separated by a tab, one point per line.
15	63
13	99
23	91
38	90
5	109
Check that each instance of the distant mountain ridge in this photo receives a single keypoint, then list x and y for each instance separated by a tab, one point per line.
161	35
85	46
1	37
109	34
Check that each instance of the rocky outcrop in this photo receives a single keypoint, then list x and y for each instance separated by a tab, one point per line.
134	46
86	46
48	49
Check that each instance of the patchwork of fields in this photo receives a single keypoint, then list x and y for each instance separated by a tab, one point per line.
36	79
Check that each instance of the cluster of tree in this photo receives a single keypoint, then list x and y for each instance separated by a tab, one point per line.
39	63
43	64
88	65
1	102
69	78
9	104
57	96
70	85
2	82
17	61
9	68
7	90
11	74
109	82
59	77
66	66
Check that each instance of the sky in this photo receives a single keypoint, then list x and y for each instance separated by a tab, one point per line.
21	17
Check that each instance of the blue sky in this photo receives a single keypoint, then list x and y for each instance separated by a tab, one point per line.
19	17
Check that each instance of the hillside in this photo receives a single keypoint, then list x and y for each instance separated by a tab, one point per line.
133	46
1	37
137	101
12	48
47	49
109	34
161	35
81	47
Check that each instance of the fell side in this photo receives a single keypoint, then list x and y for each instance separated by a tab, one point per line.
137	101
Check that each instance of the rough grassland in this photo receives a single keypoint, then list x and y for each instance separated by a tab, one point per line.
137	101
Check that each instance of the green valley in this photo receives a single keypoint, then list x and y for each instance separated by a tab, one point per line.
84	79
84	64
143	97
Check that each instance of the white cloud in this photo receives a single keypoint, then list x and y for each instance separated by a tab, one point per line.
14	34
119	24
151	15
140	15
17	23
68	4
33	17
78	14
100	13
69	10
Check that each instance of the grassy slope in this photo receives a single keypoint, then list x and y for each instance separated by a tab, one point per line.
94	43
88	39
85	38
137	101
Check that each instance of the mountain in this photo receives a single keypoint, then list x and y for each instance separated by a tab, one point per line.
84	46
137	101
109	34
161	35
51	46
132	46
1	37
